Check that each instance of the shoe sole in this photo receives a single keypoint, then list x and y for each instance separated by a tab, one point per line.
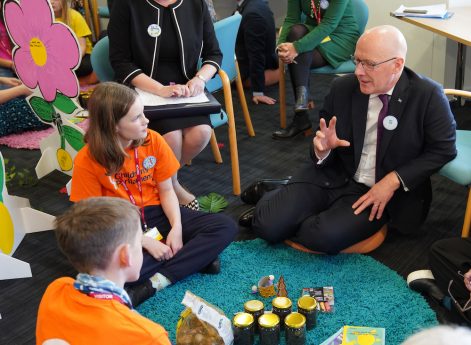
421	274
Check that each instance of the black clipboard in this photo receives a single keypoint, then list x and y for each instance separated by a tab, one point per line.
184	109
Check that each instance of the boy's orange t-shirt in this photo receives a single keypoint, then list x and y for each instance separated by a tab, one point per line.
156	161
67	314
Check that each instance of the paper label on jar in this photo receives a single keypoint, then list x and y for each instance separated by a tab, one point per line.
205	312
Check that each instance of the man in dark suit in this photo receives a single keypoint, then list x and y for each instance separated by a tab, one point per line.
383	132
255	48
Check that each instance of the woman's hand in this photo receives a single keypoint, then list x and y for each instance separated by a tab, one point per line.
196	86
176	90
157	249
174	239
287	52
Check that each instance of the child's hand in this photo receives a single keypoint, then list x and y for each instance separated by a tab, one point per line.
174	239
10	81
157	249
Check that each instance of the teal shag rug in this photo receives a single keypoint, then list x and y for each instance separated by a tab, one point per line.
367	293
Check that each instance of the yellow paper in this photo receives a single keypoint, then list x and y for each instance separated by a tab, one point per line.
326	39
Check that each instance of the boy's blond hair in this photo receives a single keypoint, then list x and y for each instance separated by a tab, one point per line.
90	231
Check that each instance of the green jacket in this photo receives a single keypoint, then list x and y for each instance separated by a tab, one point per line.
338	23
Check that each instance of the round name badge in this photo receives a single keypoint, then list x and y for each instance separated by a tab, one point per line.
324	4
154	30
390	122
149	162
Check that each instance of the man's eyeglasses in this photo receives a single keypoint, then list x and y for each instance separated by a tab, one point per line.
369	65
467	305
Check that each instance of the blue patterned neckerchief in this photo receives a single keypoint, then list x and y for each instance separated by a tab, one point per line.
101	288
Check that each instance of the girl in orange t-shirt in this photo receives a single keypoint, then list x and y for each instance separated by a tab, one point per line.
125	159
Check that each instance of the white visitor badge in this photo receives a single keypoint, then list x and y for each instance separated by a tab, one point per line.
390	122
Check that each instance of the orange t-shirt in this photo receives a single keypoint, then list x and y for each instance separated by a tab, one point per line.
71	316
156	161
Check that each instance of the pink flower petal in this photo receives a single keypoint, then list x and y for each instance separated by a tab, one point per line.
38	12
15	22
25	67
62	45
47	88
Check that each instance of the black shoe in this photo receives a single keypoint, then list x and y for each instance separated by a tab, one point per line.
252	194
302	96
140	293
245	219
213	268
293	130
423	282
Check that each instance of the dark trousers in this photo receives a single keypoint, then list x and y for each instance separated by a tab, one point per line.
85	67
447	258
320	219
205	235
299	72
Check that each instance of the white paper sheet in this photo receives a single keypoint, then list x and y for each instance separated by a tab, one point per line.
149	99
432	11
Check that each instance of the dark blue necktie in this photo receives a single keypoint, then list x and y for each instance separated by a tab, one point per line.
379	134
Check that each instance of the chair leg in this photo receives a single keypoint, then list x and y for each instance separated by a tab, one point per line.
282	93
243	103
232	132
467	217
215	148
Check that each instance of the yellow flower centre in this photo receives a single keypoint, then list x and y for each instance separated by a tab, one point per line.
38	51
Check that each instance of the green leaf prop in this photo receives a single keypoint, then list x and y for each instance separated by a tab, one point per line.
64	104
212	203
43	109
73	137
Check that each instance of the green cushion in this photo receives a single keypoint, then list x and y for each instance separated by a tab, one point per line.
345	67
459	169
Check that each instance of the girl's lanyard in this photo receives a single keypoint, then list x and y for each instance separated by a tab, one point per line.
139	187
316	11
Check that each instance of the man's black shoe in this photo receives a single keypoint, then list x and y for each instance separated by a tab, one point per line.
140	293
213	268
423	282
245	219
293	130
252	194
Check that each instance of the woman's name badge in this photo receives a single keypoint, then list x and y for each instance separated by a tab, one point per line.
154	233
154	30
390	122
324	4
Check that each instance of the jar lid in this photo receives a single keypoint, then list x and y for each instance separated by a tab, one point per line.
253	305
281	302
268	320
307	303
295	320
243	320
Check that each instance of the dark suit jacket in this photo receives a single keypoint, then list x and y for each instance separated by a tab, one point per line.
256	42
422	142
133	51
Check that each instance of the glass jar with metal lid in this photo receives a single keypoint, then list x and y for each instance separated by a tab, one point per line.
243	326
307	306
269	325
256	308
281	307
295	329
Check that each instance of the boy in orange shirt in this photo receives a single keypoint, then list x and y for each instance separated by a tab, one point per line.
102	238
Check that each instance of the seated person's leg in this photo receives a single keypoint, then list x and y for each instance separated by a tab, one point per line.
338	227
279	213
205	235
85	67
447	257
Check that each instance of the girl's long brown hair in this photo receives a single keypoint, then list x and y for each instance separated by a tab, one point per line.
108	103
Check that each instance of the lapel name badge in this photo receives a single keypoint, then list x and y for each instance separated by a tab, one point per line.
390	122
154	30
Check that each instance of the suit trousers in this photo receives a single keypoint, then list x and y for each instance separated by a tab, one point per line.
205	235
449	259
320	219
